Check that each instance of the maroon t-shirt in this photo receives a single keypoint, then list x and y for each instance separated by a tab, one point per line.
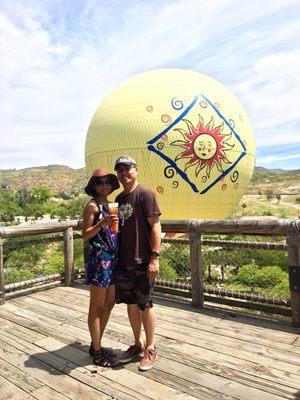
135	231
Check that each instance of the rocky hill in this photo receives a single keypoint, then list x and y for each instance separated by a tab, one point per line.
61	178
278	180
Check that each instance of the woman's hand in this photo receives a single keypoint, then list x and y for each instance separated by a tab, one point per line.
107	221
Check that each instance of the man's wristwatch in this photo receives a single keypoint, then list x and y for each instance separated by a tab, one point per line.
154	254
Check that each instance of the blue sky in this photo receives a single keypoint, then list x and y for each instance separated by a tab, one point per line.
60	58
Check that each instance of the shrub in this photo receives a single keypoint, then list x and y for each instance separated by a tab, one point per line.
178	258
12	275
166	271
282	289
246	274
267	212
54	264
268	276
270	257
265	277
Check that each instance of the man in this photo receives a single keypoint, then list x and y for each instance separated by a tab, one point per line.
138	266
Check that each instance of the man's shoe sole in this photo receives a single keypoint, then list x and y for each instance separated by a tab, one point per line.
130	359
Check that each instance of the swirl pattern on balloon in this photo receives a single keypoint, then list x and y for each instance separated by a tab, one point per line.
166	119
231	123
149	108
224	187
203	104
160	145
234	177
177	104
175	184
169	172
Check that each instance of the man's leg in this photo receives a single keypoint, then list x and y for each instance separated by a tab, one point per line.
149	323
135	319
125	294
145	300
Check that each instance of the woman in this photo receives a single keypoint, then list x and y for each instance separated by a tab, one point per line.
102	260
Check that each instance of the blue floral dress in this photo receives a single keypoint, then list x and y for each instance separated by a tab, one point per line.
103	258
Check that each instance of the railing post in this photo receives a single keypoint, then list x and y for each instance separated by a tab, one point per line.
293	243
2	298
86	253
69	256
196	269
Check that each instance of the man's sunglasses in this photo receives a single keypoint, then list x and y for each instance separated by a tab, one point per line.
126	168
101	182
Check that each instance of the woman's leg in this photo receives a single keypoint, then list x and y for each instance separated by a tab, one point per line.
109	303
97	301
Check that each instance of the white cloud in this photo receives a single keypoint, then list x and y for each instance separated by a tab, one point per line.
59	59
273	158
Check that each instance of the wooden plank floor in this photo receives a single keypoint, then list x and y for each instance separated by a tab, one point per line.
208	354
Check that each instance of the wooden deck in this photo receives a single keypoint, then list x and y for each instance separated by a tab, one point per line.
205	355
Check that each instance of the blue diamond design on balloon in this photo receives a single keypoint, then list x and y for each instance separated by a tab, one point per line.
196	184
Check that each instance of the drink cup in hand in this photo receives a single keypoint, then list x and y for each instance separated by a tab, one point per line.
113	209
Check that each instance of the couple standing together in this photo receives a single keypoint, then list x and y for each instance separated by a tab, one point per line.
122	266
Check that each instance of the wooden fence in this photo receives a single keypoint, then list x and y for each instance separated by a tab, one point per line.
195	228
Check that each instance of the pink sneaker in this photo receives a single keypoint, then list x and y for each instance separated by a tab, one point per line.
150	355
132	352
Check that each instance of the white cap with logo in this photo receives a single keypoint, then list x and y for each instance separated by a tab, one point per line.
127	160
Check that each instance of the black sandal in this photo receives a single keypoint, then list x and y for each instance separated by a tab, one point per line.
102	360
106	350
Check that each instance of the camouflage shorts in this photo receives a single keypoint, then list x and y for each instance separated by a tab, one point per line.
134	287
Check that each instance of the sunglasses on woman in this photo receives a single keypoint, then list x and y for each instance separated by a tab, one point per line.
102	182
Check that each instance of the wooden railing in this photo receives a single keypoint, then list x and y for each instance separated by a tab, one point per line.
195	228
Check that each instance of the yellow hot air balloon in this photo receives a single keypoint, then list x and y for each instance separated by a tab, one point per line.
191	138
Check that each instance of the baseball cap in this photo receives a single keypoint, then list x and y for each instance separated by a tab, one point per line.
127	160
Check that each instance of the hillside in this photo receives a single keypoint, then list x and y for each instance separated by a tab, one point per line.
72	181
280	181
57	177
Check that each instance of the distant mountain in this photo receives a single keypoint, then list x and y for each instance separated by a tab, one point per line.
61	178
278	180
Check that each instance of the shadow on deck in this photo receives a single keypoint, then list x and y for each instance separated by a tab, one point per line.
207	354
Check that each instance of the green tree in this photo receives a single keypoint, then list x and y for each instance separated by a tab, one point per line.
9	208
269	195
278	197
75	206
41	194
23	197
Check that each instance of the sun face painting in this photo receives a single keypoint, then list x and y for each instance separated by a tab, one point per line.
205	146
191	137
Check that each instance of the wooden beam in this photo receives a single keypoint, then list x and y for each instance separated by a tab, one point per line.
293	243
196	270
2	298
253	227
36	229
246	227
69	256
